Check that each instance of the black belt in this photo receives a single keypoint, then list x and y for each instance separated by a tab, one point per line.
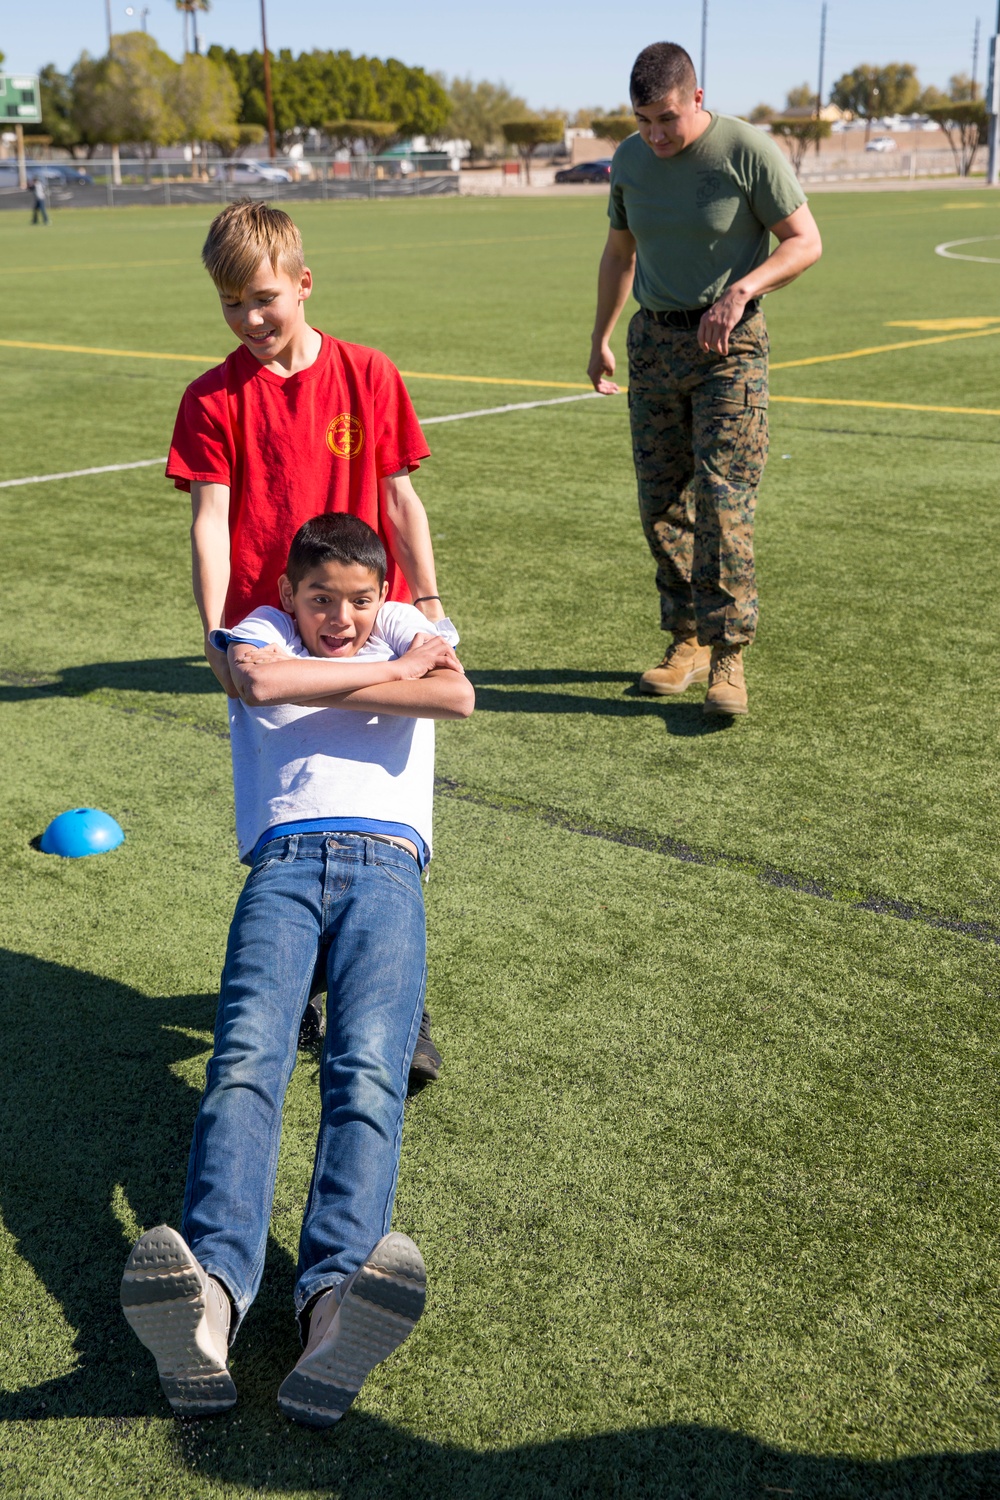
690	317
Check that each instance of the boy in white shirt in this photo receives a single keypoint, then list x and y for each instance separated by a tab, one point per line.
333	763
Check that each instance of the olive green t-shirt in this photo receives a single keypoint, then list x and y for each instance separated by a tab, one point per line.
700	219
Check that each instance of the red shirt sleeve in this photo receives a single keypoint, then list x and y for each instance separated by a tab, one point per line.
399	442
202	447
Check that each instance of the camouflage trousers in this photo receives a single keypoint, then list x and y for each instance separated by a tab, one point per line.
699	440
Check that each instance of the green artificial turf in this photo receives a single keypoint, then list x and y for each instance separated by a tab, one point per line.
707	1187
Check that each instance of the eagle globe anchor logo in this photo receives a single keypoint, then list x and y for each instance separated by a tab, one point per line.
345	436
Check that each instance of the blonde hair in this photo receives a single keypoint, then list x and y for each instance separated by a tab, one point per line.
243	235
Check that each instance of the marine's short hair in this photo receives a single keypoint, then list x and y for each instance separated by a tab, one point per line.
243	235
335	538
660	69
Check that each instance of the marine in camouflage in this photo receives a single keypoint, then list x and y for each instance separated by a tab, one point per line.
699	439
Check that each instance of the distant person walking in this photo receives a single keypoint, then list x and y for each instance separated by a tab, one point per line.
40	209
694	199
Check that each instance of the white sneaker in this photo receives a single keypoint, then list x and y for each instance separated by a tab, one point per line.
182	1316
353	1328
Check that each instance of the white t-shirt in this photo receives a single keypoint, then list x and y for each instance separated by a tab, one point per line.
292	764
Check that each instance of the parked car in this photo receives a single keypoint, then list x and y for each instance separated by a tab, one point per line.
252	171
881	143
587	171
51	172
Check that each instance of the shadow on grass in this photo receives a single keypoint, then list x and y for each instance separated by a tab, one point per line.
94	1114
166	674
497	692
94	1118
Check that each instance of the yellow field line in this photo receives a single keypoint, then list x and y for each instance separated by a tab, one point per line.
556	385
207	360
825	359
963	411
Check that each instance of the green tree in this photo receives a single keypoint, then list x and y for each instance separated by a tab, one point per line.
375	135
869	92
320	88
202	96
929	98
801	98
56	90
615	128
798	135
761	113
960	88
527	134
124	98
478	111
964	123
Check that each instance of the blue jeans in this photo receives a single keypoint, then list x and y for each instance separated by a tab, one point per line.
358	904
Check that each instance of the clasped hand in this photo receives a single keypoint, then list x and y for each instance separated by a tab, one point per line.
425	653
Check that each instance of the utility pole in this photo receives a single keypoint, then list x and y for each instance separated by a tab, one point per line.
268	96
704	40
993	107
975	59
822	54
822	58
107	16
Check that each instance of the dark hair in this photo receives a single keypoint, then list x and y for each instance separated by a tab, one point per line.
659	70
335	538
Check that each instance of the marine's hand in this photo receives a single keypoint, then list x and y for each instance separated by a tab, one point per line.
219	662
720	320
601	368
426	653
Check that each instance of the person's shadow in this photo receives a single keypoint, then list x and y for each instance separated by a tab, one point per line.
497	691
531	692
95	1129
163	674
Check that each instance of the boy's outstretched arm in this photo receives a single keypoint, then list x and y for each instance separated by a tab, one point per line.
210	567
409	538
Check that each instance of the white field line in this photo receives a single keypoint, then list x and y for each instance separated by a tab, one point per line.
149	463
142	463
494	411
947	247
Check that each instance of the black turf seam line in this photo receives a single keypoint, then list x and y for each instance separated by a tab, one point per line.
630	838
671	848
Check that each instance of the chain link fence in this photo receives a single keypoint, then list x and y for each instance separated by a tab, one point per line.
104	183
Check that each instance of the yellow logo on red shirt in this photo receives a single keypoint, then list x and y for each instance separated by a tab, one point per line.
345	436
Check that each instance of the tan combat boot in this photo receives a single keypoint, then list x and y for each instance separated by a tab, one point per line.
684	664
727	688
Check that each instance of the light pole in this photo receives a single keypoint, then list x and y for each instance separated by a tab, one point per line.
822	52
704	40
107	15
130	11
268	97
993	108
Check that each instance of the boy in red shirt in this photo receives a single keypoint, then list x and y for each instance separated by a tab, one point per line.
294	423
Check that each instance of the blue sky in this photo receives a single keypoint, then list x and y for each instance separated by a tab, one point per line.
558	56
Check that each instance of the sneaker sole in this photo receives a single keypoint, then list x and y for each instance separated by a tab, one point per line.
655	690
163	1299
379	1311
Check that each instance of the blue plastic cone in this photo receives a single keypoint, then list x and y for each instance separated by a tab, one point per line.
80	831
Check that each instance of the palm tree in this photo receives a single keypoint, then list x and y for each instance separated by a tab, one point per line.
189	7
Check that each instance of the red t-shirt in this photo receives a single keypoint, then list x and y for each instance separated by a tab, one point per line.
292	447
